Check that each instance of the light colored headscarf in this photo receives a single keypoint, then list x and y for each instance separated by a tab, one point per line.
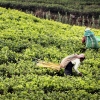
81	55
87	29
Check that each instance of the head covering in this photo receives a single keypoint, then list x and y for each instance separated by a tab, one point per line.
88	32
87	29
81	55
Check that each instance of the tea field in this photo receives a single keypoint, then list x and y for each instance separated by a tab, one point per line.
24	39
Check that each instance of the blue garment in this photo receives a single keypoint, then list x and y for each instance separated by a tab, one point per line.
91	41
97	38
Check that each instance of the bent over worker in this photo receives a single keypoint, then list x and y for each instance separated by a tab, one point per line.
89	39
72	61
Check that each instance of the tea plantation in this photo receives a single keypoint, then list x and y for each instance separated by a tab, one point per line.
24	39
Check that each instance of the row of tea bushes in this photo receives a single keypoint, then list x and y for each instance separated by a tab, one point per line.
24	39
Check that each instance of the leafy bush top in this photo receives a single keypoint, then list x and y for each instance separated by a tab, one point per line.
24	39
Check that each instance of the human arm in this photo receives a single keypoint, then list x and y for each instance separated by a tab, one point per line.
76	63
83	39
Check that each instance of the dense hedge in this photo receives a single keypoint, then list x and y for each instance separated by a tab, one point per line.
24	39
62	6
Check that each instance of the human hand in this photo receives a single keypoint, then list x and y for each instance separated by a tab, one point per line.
80	74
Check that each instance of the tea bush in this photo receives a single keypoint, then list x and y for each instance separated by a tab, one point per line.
24	39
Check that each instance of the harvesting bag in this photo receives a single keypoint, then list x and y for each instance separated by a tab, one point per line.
91	41
48	65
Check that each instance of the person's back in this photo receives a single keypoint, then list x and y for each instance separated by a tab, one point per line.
67	59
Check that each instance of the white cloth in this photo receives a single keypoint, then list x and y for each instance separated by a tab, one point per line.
67	59
87	29
76	63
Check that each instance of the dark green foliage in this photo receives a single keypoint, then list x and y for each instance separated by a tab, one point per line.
62	6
